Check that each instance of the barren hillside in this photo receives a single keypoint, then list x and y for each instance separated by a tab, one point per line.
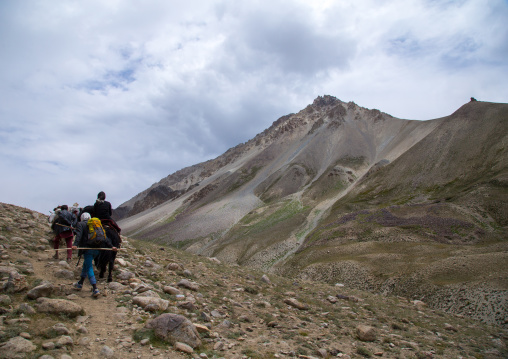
165	303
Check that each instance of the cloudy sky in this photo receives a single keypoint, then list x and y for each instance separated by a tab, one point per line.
115	95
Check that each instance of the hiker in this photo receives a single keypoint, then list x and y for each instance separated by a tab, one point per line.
84	240
102	208
62	226
53	215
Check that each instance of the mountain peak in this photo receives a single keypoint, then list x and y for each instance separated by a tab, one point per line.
325	100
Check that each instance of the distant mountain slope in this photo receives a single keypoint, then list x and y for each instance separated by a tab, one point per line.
341	193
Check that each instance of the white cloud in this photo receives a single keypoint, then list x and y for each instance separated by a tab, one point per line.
115	95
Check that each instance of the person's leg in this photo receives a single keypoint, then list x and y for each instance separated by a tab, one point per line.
92	254
56	245
68	241
84	273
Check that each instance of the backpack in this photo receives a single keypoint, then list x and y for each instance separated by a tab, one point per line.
59	224
96	233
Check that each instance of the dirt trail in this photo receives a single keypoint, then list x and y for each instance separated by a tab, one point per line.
104	323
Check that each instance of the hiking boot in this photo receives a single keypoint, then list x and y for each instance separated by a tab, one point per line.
78	285
96	293
55	256
69	260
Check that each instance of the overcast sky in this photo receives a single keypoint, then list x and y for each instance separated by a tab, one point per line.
115	95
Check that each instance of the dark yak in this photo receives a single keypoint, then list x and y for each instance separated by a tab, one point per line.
108	257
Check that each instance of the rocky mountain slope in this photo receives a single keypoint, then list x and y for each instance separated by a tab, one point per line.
340	193
165	303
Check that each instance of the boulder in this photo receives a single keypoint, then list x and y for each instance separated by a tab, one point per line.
59	306
116	286
16	347
175	328
147	293
174	266
64	273
125	275
56	330
171	290
188	284
26	309
366	333
43	290
143	302
16	283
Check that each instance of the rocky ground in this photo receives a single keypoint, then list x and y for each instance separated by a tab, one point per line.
169	304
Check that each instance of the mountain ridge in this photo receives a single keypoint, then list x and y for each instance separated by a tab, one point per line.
338	177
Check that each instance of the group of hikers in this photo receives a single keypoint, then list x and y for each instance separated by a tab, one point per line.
92	232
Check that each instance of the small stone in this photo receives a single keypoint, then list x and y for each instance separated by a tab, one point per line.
265	279
218	346
107	352
48	346
183	348
201	328
323	353
64	341
296	304
84	341
174	266
450	327
189	285
332	299
144	342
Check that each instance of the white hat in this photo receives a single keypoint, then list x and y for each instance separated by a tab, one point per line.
85	216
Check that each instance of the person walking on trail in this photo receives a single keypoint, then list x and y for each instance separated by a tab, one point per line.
102	208
83	240
62	226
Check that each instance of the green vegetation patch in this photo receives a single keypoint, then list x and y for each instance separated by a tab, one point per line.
246	175
268	219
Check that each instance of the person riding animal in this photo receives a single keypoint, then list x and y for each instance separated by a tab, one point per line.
102	208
